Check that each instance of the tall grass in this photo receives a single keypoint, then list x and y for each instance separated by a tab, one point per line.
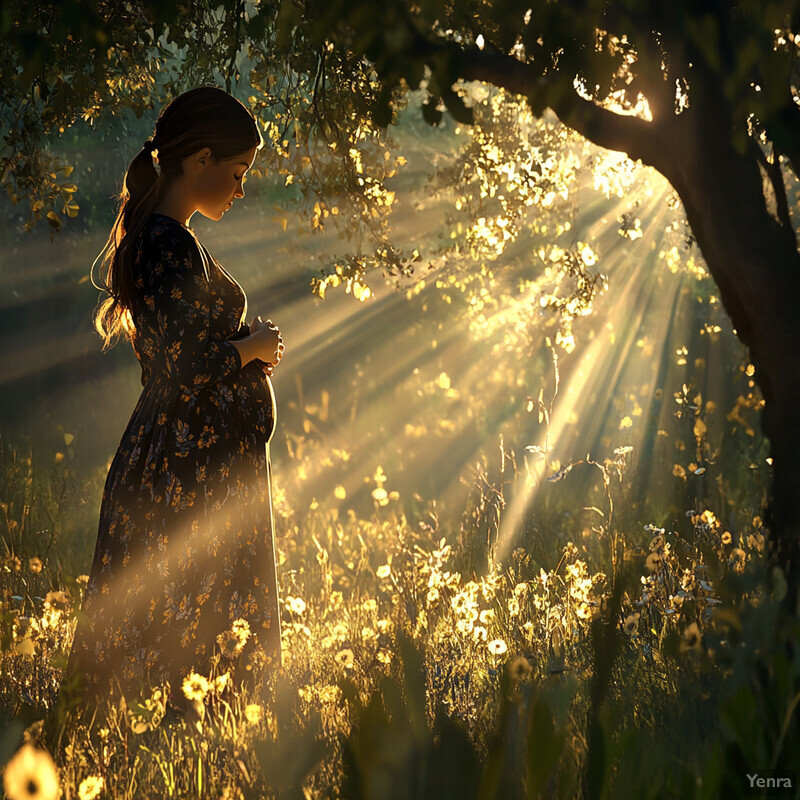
416	665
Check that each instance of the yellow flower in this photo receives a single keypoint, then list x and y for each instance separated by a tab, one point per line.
31	775
195	687
345	658
497	647
221	682
253	713
59	601
35	564
384	656
383	571
583	610
91	787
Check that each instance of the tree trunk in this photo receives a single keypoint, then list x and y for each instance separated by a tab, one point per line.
754	260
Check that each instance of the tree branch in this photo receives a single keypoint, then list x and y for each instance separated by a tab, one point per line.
637	137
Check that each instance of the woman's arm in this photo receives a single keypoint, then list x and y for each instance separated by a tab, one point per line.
177	311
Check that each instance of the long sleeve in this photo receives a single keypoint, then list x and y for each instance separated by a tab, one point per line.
177	312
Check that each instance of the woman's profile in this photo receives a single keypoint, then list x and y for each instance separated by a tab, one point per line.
184	567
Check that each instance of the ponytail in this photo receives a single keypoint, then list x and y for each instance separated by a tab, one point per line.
141	192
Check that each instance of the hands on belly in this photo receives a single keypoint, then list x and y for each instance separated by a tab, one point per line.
258	324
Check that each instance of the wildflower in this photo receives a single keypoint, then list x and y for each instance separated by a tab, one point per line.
726	538
232	641
82	581
486	616
384	625
497	647
195	687
370	604
253	713
339	632
479	632
433	595
513	607
345	658
464	626
381	496
631	623
738	559
583	610
383	571
296	605
35	565
519	668
368	634
241	627
691	639
221	682
91	787
32	774
59	601
384	656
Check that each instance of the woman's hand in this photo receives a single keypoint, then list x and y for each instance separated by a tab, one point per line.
270	343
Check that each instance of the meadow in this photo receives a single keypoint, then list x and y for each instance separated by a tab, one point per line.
517	558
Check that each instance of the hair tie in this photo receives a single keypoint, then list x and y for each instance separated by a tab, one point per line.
149	146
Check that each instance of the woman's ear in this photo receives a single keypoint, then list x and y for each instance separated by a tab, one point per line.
201	159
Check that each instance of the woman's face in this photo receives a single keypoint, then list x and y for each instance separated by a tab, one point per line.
218	183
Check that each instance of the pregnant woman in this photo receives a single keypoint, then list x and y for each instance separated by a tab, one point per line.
184	567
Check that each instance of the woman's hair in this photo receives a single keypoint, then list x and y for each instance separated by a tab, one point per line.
204	117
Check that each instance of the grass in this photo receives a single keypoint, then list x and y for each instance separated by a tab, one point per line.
408	673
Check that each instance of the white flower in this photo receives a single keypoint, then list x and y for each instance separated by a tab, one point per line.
497	647
91	787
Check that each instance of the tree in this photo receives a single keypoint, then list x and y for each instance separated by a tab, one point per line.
722	124
705	92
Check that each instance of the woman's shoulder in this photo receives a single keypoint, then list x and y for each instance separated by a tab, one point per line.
165	237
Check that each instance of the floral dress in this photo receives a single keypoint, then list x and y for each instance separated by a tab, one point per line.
184	567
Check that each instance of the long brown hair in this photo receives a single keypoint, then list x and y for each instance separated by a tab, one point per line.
203	117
